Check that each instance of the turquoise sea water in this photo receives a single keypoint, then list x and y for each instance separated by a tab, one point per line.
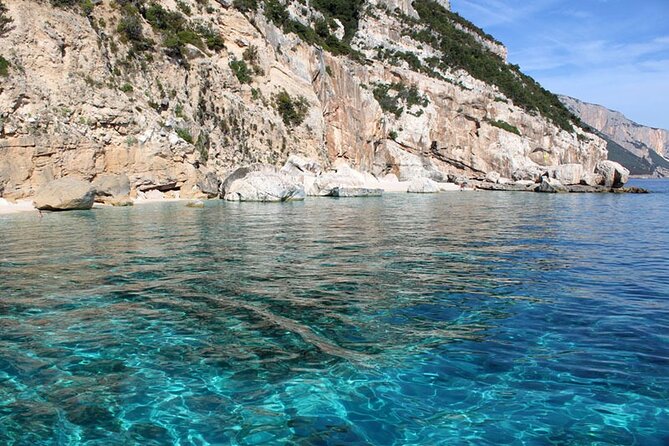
451	319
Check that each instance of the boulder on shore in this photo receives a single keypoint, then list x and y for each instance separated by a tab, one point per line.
109	185
297	165
592	179
423	186
65	194
567	173
527	173
492	177
550	185
614	175
344	177
201	186
263	185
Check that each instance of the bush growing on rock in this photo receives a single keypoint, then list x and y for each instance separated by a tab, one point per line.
245	5
250	55
5	20
4	67
212	38
401	95
292	110
241	71
278	14
505	126
185	135
461	50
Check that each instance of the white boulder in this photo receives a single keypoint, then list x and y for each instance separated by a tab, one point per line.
264	185
567	173
614	175
423	186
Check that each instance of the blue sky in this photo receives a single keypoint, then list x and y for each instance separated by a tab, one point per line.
609	52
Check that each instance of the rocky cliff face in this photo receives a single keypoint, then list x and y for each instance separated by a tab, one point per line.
646	146
172	92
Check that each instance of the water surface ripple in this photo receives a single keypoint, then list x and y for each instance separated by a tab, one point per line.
459	318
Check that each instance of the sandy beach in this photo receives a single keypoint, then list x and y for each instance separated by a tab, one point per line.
8	207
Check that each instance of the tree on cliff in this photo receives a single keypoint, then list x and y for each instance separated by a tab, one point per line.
5	20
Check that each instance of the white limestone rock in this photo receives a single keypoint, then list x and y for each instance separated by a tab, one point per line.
423	186
614	175
265	186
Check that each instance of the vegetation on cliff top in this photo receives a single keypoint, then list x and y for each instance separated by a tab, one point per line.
462	51
319	35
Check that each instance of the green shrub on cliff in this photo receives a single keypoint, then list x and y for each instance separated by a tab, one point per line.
86	6
505	126
246	5
292	110
278	14
241	71
395	96
184	134
346	11
4	67
5	20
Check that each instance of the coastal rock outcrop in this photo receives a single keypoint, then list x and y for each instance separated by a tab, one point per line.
65	194
614	175
343	180
264	185
567	173
423	186
550	185
202	186
112	189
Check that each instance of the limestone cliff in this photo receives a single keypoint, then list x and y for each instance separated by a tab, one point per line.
643	150
169	92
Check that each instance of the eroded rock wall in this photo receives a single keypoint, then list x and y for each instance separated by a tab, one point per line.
76	103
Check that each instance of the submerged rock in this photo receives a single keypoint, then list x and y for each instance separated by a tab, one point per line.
614	175
264	185
65	194
119	201
423	186
630	190
355	192
195	204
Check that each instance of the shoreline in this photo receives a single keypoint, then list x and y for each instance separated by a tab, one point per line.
23	205
8	207
26	204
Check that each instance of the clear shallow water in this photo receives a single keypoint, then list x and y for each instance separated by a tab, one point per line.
460	318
